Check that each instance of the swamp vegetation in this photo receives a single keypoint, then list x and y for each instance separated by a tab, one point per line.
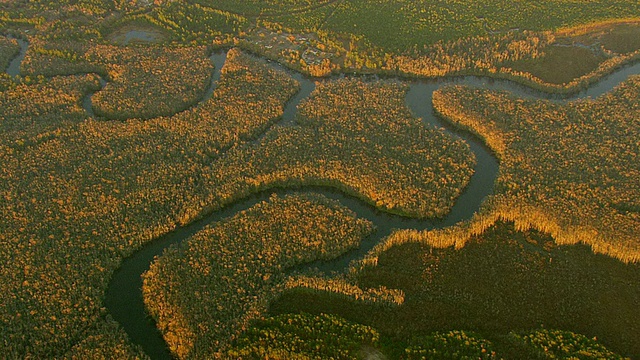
120	125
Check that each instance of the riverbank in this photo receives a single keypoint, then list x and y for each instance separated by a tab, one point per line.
484	185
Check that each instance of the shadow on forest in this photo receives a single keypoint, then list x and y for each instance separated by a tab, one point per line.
503	280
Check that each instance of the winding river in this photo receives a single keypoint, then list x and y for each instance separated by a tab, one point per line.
124	297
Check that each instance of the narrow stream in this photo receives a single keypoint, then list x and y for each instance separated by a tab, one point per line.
217	58
124	297
14	66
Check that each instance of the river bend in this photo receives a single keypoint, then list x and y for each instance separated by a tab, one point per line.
124	296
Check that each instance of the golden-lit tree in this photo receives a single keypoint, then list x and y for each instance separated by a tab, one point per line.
568	170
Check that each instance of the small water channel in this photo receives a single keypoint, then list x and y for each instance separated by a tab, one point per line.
14	66
124	297
218	59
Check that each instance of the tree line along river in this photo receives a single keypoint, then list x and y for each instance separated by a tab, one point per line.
124	297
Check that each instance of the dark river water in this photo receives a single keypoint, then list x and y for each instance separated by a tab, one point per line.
124	297
14	65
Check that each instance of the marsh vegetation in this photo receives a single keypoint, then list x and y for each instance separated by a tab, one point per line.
360	138
204	293
582	184
501	281
108	142
80	194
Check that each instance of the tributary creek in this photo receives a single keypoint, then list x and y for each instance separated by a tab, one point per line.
124	296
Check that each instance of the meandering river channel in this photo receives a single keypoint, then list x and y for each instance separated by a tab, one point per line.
124	297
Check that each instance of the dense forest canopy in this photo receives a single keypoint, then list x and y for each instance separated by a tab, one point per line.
126	122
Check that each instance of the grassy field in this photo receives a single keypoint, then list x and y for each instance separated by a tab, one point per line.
579	51
613	36
560	64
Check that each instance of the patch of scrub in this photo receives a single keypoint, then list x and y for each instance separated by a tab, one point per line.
135	34
560	64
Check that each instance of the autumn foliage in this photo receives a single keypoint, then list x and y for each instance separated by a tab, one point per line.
79	194
361	138
9	48
142	82
569	170
205	292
